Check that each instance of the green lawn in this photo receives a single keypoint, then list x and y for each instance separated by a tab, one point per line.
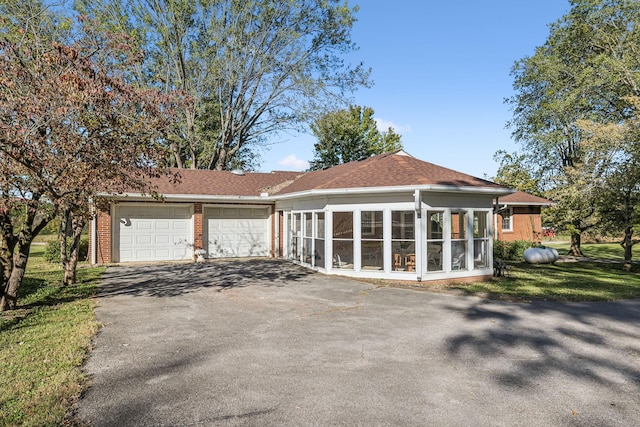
611	251
575	281
568	281
44	343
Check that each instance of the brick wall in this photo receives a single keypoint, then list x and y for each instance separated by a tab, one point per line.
197	225
526	225
103	243
273	223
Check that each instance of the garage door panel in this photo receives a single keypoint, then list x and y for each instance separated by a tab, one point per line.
162	225
162	240
143	254
154	233
162	253
237	232
143	240
181	226
143	225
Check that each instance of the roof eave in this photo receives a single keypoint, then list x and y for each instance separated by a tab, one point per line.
547	204
189	197
434	188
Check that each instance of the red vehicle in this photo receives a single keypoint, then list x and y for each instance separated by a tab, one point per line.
548	233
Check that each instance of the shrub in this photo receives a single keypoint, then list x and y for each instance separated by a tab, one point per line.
510	251
52	250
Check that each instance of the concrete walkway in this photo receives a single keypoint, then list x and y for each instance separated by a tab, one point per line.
261	342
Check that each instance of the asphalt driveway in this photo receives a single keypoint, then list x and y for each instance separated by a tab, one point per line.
262	342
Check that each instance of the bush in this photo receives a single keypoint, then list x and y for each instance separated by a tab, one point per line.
510	251
52	250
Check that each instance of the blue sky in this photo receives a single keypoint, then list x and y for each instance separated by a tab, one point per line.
441	72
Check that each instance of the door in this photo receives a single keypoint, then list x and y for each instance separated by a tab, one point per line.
153	232
237	232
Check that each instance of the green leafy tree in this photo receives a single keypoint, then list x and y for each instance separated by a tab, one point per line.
619	204
348	135
250	68
514	173
584	74
618	198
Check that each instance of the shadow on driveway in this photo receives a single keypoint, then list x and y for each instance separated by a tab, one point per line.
180	278
560	338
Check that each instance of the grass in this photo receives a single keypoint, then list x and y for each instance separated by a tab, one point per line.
43	344
567	281
571	281
45	238
609	251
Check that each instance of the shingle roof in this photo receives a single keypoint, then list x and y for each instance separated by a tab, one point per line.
522	198
396	169
222	183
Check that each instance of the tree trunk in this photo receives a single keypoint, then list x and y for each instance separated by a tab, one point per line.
575	248
627	244
71	267
65	225
10	296
6	267
176	154
70	224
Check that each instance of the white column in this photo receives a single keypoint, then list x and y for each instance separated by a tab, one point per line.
470	243
420	236
386	244
446	236
357	240
328	240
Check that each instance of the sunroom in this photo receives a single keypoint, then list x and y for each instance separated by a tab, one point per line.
435	236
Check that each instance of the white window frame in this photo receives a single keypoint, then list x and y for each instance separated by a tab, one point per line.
509	212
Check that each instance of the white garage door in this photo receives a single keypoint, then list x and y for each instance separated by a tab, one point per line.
154	233
237	232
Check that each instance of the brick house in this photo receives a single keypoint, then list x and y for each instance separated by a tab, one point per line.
388	216
519	217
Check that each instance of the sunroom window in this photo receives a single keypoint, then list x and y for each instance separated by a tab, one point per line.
458	240
372	243
307	255
403	244
319	240
296	242
435	240
343	240
481	239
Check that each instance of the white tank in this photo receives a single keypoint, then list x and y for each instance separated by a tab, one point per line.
540	255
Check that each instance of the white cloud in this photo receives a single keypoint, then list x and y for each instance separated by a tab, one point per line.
384	125
292	162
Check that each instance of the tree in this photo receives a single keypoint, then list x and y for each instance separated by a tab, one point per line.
619	203
513	172
584	73
258	66
71	127
348	135
618	199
